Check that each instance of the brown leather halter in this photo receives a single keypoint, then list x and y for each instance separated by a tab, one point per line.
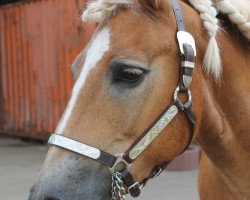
119	163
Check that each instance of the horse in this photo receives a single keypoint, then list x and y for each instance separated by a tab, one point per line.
125	80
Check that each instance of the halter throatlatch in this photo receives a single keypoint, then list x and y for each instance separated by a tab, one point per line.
122	179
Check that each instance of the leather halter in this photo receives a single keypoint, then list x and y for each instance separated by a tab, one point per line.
121	162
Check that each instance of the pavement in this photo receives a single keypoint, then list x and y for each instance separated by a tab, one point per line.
20	163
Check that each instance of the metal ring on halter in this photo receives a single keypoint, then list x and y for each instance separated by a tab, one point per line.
119	164
177	91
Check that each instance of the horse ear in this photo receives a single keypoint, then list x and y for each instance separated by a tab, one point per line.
152	4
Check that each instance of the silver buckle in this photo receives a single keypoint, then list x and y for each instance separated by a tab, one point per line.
184	37
133	186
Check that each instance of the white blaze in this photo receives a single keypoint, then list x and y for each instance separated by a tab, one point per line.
98	47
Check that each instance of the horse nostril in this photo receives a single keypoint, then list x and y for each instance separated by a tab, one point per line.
32	189
50	198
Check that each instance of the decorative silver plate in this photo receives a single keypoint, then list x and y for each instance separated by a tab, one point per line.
72	145
154	132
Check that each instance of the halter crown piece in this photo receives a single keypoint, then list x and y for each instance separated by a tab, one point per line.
121	177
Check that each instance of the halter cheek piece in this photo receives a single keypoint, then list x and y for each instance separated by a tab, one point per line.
119	164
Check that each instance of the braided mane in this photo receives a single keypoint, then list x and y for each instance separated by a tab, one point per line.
237	11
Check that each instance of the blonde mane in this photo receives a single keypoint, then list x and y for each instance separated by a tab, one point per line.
98	10
237	11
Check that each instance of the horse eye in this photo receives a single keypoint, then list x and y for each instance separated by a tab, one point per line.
131	74
126	74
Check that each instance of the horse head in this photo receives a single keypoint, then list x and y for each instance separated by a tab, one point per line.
124	80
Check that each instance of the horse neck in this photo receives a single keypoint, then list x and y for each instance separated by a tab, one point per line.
224	133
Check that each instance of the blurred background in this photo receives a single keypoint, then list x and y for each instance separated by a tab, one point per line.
39	40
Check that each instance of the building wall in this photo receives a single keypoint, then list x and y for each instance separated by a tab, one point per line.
38	42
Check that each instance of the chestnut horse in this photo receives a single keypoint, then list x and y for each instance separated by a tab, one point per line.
125	79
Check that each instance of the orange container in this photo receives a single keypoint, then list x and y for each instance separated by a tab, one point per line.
38	42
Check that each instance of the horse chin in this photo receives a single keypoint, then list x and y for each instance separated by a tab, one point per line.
88	180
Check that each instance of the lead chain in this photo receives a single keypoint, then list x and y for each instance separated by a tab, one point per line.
118	189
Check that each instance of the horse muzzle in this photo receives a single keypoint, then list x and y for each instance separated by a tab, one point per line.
73	179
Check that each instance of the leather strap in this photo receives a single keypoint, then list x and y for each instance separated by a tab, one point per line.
189	55
178	15
187	67
155	172
107	159
190	116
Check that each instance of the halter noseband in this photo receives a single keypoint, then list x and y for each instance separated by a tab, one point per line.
119	163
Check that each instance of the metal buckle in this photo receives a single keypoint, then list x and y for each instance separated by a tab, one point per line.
184	37
133	186
158	172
